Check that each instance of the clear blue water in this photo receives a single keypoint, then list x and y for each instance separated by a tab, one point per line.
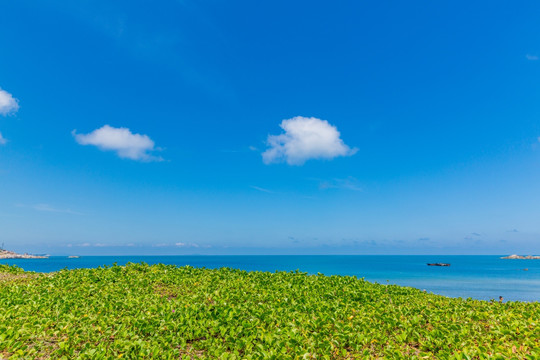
477	277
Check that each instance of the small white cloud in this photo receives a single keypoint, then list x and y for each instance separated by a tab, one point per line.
8	104
261	189
349	183
3	140
161	245
181	244
44	207
48	208
531	57
122	140
305	139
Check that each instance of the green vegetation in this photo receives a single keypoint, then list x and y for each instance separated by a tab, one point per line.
166	312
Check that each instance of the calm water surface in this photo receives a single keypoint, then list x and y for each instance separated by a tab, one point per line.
478	277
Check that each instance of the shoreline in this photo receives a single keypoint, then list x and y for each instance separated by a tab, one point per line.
227	310
6	254
478	277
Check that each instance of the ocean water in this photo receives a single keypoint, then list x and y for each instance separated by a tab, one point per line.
478	277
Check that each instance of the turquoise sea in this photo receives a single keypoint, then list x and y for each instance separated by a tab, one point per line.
478	277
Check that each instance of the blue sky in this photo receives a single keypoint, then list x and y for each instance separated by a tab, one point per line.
215	127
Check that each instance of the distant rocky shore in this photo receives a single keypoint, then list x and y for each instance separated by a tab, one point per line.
521	257
5	254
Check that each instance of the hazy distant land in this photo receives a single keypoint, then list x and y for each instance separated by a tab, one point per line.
514	256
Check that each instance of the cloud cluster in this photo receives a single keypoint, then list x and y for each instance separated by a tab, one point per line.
531	57
304	139
99	245
3	140
8	104
122	141
187	245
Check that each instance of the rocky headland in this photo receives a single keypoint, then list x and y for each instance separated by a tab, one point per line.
514	256
6	254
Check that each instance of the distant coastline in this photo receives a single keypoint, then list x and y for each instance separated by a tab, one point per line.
6	254
522	257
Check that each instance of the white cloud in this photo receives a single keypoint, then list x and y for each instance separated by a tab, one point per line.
100	245
161	245
8	104
305	139
122	140
44	207
261	189
3	140
531	57
349	183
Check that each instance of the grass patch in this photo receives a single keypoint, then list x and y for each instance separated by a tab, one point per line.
167	312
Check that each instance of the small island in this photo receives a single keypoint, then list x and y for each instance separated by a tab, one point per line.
6	254
514	256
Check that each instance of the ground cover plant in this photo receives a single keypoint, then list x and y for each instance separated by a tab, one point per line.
167	312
